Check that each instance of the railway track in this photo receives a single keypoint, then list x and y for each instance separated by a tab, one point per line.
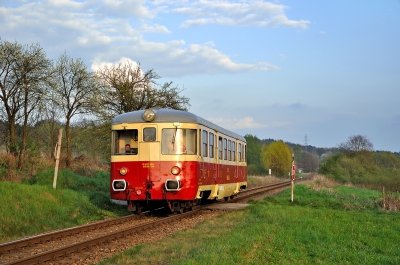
246	194
70	246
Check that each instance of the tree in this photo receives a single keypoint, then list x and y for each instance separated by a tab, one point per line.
75	88
254	164
47	126
308	162
388	160
23	72
356	143
10	87
277	156
126	88
33	72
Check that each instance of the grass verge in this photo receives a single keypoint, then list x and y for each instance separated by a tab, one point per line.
34	207
340	226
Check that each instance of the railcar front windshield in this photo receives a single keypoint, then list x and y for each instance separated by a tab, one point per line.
179	141
124	142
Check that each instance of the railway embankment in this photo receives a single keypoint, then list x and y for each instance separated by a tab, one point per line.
325	224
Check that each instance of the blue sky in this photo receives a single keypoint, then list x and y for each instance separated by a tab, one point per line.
279	69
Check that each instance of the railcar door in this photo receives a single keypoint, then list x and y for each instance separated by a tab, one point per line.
208	158
149	154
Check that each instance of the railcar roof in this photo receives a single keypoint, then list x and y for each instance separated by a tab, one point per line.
171	115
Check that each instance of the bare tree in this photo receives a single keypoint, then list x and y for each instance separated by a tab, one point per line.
127	88
75	88
308	162
47	125
11	92
33	72
356	143
23	71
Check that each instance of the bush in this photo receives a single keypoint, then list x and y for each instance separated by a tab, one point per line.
256	170
366	169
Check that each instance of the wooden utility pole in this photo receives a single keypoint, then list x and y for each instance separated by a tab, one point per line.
57	154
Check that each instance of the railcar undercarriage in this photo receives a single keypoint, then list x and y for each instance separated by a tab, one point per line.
172	206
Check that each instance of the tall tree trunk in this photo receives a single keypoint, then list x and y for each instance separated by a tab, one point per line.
22	152
68	142
12	144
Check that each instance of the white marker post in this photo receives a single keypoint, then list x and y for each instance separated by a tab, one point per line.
57	154
293	177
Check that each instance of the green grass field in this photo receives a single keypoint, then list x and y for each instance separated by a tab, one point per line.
343	226
34	207
335	225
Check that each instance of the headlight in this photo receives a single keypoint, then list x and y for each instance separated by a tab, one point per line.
175	170
149	115
172	185
123	171
119	185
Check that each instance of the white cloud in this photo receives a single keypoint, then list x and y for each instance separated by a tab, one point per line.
250	13
124	60
92	30
153	28
125	8
195	59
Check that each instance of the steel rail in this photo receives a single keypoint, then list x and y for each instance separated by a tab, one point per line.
259	191
262	189
79	247
29	241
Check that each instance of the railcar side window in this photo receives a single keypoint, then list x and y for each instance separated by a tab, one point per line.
233	150
149	134
220	148
205	138
178	141
225	150
211	145
122	138
240	152
229	150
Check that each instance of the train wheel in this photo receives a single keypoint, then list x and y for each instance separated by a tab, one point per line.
139	208
226	198
190	206
232	197
182	207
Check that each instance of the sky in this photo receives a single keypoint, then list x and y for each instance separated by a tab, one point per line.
306	72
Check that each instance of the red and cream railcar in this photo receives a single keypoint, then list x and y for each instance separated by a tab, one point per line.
176	159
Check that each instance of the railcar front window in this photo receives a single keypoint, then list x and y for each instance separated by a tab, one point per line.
178	141
124	142
149	134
